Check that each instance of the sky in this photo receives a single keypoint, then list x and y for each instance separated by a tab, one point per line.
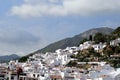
29	25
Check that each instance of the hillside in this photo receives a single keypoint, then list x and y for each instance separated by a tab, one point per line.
74	41
109	54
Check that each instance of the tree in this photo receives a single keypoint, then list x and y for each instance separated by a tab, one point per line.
72	63
99	37
90	38
84	40
117	49
116	33
108	50
23	59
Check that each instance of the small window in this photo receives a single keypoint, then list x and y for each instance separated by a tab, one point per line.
12	77
33	75
38	75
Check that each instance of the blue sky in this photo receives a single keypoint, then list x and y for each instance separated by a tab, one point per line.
29	25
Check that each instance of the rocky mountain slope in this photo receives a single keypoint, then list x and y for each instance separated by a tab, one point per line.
72	41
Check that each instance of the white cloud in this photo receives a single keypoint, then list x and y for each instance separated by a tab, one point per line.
37	8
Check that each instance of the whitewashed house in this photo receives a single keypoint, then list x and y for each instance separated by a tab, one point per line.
98	47
115	42
85	45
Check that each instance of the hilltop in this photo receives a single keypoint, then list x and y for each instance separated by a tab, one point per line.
72	41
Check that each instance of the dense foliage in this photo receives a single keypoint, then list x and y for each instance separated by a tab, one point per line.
99	37
23	59
110	54
90	55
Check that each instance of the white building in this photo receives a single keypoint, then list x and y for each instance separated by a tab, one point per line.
115	42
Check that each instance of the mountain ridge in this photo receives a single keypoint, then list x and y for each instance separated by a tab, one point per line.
6	58
74	41
71	41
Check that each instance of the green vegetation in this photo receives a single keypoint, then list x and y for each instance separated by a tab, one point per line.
114	63
72	63
116	33
89	55
99	37
23	59
110	54
73	41
84	40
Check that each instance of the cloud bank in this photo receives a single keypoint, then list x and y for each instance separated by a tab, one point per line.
16	41
39	8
